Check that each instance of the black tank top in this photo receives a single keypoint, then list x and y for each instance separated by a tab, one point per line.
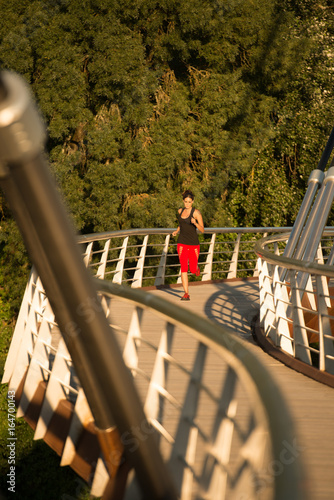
188	231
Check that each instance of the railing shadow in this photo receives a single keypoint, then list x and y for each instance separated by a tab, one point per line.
234	305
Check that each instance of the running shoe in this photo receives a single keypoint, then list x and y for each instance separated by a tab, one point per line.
185	297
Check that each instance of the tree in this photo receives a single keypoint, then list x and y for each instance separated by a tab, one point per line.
303	120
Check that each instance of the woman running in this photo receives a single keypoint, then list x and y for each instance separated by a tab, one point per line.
190	219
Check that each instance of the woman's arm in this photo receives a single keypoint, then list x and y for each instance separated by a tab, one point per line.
197	220
174	233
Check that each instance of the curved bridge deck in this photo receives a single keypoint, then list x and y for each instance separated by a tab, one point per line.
234	303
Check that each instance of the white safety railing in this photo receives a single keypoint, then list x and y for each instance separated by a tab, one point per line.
296	301
148	257
224	428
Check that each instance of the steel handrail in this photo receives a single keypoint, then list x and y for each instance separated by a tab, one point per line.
223	251
289	483
297	317
289	262
91	237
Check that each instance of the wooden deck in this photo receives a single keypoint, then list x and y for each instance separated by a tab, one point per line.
234	304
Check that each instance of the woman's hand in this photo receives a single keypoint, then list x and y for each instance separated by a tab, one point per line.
175	233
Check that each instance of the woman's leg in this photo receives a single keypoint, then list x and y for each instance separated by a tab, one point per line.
193	259
183	252
184	279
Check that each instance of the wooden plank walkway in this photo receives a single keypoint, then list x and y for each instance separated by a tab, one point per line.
234	304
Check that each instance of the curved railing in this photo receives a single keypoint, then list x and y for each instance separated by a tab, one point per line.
146	257
296	302
223	425
220	417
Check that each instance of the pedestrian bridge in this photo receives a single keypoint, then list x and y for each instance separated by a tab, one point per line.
148	398
230	420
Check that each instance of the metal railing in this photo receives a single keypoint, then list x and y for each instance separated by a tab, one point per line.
224	429
148	257
296	300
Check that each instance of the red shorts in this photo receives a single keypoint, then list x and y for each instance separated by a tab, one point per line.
188	253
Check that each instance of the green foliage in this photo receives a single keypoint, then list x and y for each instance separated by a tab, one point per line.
144	99
266	197
14	265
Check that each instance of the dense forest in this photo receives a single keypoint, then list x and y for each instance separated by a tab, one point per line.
145	98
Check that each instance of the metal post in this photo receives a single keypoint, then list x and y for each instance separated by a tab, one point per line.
315	180
51	243
321	217
314	230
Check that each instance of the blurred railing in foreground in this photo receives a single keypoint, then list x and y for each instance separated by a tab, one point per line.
223	428
297	300
146	257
